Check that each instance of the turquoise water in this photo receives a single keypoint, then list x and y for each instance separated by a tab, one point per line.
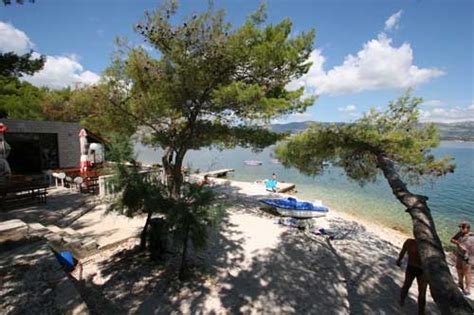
451	198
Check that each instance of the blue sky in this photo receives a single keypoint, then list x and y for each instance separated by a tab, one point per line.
366	52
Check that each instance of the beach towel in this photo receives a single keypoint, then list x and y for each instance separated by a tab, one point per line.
271	184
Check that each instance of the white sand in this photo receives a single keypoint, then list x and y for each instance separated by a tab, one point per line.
255	266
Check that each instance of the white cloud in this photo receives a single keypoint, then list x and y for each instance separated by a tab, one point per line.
13	40
378	65
347	109
393	21
448	115
62	71
434	103
58	71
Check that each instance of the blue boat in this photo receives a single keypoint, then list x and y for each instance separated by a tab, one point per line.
291	207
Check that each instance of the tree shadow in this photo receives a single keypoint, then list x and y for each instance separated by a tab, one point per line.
59	203
132	282
353	274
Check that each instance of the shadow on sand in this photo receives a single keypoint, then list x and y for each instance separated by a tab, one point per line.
353	274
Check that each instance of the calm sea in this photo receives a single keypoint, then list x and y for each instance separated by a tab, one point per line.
451	198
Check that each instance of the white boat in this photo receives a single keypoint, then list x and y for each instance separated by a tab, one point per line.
253	162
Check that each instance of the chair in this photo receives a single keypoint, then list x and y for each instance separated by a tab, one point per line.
78	183
59	177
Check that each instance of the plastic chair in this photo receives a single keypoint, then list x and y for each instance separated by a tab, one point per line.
78	183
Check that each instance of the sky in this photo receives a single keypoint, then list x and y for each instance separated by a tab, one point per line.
366	52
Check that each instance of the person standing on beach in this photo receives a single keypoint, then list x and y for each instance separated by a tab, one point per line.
464	241
413	270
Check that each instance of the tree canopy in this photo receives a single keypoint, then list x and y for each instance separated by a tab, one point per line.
207	83
16	66
395	133
19	99
394	144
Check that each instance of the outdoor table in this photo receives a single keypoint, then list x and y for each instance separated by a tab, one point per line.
12	191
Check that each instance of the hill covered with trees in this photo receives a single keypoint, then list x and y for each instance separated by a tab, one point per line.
460	131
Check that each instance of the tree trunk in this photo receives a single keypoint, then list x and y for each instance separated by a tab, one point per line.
172	164
176	181
182	268
144	231
444	290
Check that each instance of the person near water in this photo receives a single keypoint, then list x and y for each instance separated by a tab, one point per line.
413	271
464	241
206	181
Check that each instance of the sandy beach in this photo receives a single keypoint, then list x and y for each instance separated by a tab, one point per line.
255	266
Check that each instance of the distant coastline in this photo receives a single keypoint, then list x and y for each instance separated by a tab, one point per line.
458	131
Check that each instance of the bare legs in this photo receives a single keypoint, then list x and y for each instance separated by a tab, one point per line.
465	277
422	286
460	271
409	277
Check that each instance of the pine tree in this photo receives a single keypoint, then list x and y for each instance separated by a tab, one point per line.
394	144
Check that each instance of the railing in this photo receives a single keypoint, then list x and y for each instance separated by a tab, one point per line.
106	185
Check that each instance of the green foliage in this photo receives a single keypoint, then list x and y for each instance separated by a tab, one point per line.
15	66
186	218
20	100
137	192
394	133
207	83
86	105
192	215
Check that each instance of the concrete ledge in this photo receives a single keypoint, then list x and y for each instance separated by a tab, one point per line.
13	230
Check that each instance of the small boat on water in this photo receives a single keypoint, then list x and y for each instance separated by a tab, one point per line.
291	207
275	161
253	162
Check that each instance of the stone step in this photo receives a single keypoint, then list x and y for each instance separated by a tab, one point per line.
13	230
70	231
80	247
37	229
72	216
54	229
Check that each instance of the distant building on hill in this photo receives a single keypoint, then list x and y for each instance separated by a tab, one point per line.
43	145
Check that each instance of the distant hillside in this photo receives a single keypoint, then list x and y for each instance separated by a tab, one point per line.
463	131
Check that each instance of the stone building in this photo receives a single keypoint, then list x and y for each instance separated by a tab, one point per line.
42	145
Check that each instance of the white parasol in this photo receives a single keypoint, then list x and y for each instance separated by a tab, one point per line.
84	164
4	151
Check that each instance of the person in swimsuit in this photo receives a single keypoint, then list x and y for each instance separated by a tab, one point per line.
413	270
464	241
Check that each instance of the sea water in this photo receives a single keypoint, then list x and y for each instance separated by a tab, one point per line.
451	198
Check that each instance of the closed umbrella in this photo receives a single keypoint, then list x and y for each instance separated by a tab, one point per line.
84	164
4	151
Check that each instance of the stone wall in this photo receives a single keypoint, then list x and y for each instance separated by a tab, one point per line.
67	135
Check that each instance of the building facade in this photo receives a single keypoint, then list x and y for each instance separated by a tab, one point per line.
42	145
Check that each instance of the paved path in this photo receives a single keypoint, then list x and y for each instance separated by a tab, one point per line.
108	228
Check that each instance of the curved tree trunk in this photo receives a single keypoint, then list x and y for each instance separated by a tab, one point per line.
445	292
